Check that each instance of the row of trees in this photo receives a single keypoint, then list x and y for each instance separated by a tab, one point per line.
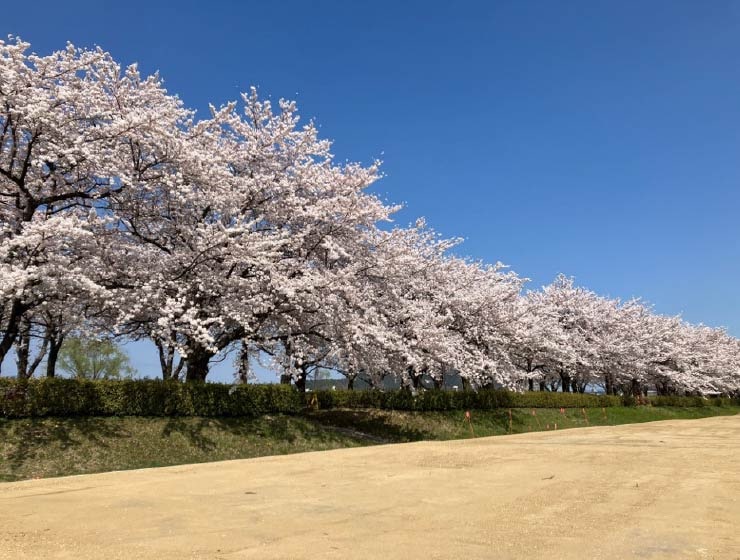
122	214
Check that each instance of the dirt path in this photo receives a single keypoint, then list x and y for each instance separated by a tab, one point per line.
658	490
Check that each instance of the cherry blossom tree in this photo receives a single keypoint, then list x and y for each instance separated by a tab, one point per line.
240	235
75	128
123	214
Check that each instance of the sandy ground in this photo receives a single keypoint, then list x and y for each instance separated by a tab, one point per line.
658	490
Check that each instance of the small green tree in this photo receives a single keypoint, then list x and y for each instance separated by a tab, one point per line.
88	358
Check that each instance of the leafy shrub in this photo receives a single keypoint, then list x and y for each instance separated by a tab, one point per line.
72	397
460	400
488	399
693	401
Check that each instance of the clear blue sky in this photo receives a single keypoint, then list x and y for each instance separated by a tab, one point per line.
598	139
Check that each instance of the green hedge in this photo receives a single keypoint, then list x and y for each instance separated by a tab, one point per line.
487	399
693	401
460	400
70	397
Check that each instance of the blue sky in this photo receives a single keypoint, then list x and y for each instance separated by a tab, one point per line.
598	139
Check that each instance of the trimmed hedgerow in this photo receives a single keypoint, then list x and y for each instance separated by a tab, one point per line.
675	400
460	400
71	397
488	399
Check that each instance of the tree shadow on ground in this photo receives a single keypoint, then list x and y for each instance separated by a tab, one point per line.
270	429
31	437
192	429
391	427
35	446
379	426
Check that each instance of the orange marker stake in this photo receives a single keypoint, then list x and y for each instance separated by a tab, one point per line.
585	416
470	422
511	423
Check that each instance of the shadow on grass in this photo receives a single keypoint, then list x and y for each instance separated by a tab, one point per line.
379	426
36	446
406	426
31	437
191	429
30	441
203	433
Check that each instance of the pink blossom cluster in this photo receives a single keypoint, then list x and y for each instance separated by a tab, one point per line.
122	214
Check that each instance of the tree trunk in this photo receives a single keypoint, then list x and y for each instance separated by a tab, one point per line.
415	378
663	387
22	350
530	381
197	366
166	356
243	372
55	345
33	366
351	382
411	381
565	379
300	381
543	385
416	381
609	383
11	330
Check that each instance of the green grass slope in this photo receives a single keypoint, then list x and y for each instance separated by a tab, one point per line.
47	447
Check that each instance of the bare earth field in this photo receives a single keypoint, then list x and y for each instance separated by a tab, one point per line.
658	490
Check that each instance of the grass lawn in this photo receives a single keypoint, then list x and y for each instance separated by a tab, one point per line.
46	447
397	426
